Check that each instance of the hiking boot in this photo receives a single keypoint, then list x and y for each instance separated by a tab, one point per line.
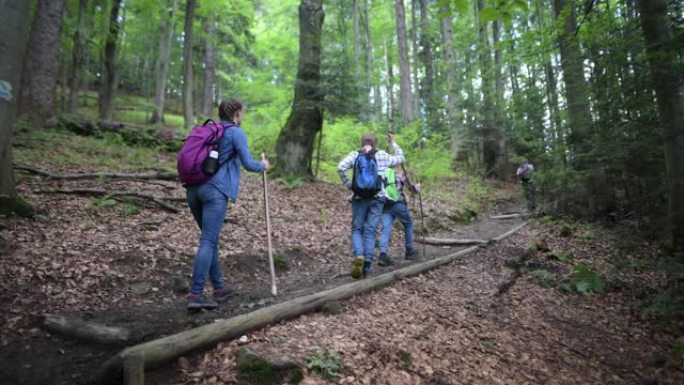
357	267
411	255
199	301
385	260
223	294
367	269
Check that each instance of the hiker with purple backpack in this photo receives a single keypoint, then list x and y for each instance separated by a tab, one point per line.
209	167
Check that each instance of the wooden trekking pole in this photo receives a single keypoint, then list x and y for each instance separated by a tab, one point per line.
274	290
420	203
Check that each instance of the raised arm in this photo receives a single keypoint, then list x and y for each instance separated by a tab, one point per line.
240	141
344	166
397	157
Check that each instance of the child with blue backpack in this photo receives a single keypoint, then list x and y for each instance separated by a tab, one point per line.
208	193
368	165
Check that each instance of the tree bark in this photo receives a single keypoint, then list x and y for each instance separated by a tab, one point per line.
110	74
390	88
13	29
295	143
668	82
453	114
167	31
88	331
78	56
209	66
489	132
576	95
405	93
427	92
39	77
188	113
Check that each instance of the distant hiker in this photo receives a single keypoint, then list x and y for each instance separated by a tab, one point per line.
208	203
524	175
368	165
396	208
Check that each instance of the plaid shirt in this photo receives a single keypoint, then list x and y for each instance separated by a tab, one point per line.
384	159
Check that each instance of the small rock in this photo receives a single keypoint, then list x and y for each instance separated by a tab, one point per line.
243	340
332	307
141	288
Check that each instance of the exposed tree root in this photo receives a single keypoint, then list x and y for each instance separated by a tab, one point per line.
109	175
116	194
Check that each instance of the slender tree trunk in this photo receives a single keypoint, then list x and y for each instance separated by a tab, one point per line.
427	92
668	83
39	77
576	95
209	66
13	29
488	129
110	73
295	143
414	57
405	93
362	95
167	31
453	118
78	56
390	88
188	113
368	58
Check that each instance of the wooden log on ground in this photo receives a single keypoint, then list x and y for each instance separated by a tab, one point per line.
451	242
167	348
134	370
114	194
509	232
508	216
88	331
95	175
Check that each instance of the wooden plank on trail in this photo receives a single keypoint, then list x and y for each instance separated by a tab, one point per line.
451	242
165	349
509	216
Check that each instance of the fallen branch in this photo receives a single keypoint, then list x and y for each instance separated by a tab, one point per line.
508	233
109	175
452	242
114	194
88	331
509	216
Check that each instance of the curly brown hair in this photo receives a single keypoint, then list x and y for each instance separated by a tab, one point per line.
370	139
228	108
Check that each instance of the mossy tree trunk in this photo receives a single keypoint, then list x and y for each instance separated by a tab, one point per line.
110	73
295	143
13	28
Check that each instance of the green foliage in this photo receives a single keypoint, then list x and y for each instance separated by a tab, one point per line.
291	182
326	363
129	208
678	347
405	358
15	206
544	277
101	203
281	263
584	279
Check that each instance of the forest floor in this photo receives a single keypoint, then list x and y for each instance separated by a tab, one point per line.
488	318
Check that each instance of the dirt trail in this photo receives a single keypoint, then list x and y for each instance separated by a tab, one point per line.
80	260
450	326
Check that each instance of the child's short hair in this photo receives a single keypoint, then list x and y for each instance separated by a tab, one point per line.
370	139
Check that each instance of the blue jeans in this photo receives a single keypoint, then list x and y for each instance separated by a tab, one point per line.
208	206
400	211
366	214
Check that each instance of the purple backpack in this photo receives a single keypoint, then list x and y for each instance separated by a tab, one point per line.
198	144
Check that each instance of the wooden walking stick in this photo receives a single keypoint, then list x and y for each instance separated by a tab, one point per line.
420	202
274	290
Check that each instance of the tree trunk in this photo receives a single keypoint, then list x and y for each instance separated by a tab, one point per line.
414	57
188	113
295	143
78	56
427	91
209	66
579	114
405	93
390	88
39	77
551	84
110	74
668	83
488	129
362	95
13	29
453	114
167	31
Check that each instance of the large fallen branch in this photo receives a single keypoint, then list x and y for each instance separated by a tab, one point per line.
95	175
156	352
116	194
451	242
84	330
509	216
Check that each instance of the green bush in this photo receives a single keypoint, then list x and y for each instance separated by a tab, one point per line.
326	363
584	279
